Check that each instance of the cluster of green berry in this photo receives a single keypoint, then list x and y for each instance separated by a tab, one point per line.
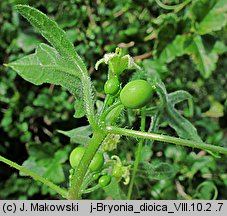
135	94
95	165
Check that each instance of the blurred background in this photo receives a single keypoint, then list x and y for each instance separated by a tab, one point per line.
31	115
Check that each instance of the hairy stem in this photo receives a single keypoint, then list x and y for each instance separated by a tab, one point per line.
165	138
54	187
88	99
138	153
78	177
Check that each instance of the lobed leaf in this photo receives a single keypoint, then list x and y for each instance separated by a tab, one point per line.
56	36
47	66
181	125
58	39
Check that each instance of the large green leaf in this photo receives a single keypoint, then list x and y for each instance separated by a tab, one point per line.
62	66
47	66
56	36
169	114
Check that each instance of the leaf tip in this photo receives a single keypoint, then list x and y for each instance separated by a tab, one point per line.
20	7
9	64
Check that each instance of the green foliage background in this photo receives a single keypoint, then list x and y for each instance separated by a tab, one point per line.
188	49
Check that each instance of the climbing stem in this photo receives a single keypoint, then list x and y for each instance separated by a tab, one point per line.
53	186
78	177
165	138
138	153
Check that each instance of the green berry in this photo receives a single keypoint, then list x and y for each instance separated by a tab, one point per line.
136	94
95	176
112	86
104	180
75	156
97	162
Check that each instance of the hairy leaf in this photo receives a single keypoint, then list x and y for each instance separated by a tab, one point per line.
179	96
50	30
181	125
57	38
47	66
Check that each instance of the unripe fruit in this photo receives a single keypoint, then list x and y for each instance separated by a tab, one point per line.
136	94
104	180
97	162
75	156
112	86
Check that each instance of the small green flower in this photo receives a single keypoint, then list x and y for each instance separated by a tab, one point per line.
117	63
110	142
120	171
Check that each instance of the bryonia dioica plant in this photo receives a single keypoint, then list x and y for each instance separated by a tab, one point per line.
93	166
